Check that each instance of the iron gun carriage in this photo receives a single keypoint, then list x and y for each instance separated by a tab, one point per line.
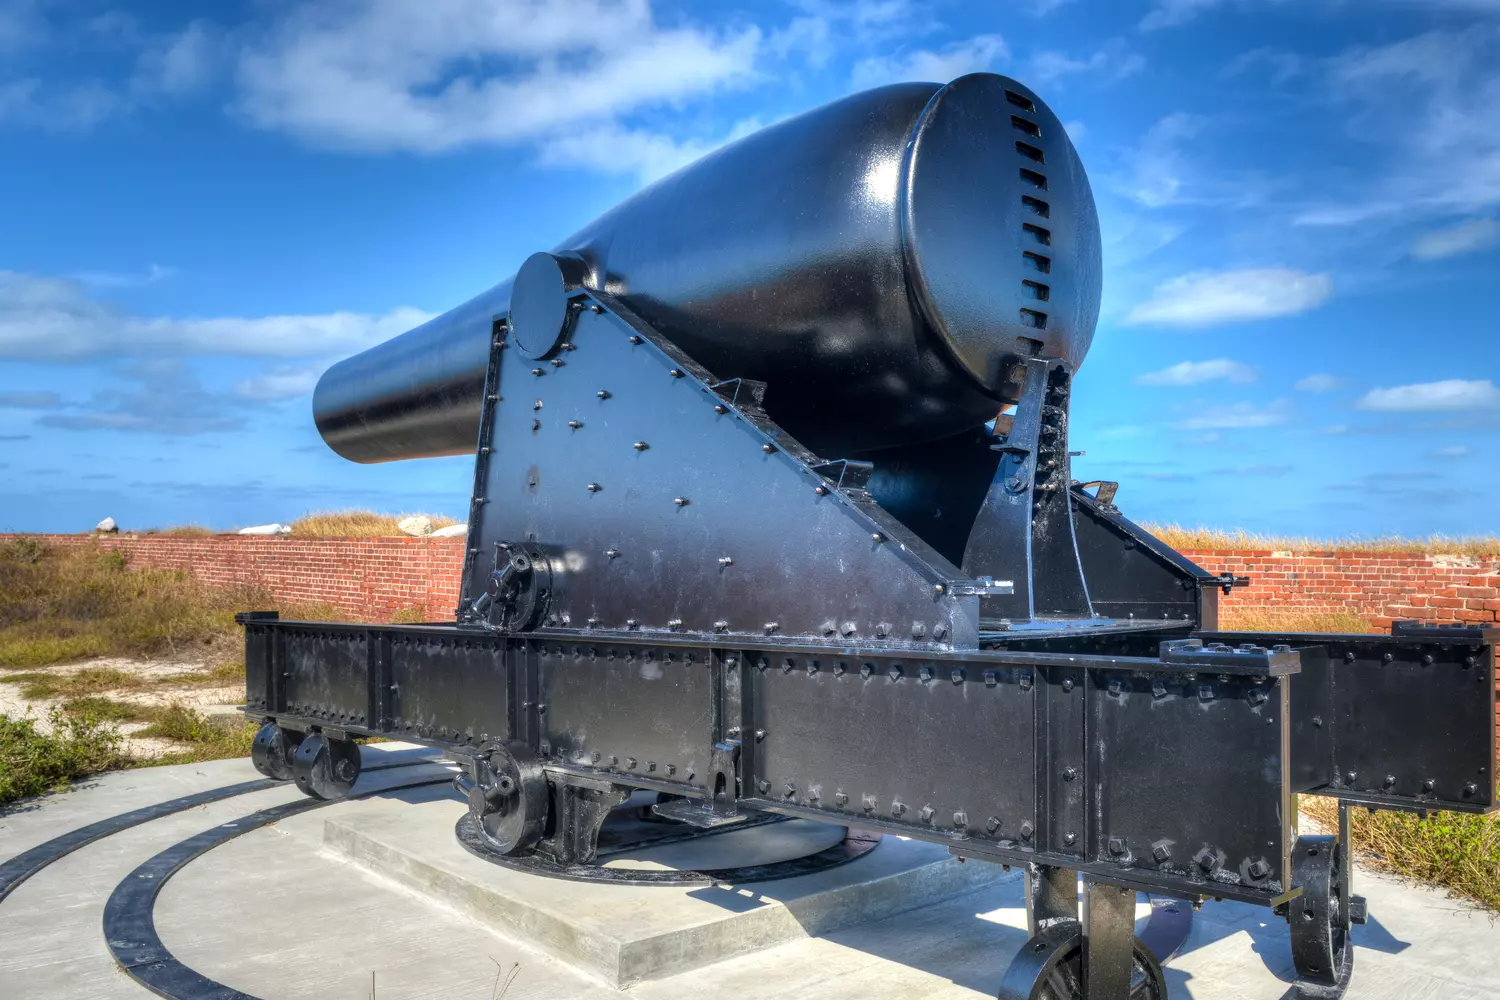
773	514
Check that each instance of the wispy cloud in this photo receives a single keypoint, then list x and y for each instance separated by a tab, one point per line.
972	55
1198	372
1452	451
1112	61
281	382
1319	383
1205	298
612	148
1449	394
1466	237
1237	416
377	76
55	319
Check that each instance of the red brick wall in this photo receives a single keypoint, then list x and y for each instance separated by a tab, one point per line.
364	579
371	579
1375	585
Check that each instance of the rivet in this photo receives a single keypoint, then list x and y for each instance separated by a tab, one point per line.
1349	777
1067	684
1070	837
674	624
720	408
726	561
877	537
821	490
1427	659
612	553
938	588
1069	773
721	626
593	487
634	339
538	371
680	501
771	627
640	446
603	394
1428	785
537	405
558	362
760	735
1471	789
632	623
769	449
676	373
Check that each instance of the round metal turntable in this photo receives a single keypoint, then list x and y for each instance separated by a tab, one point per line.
639	849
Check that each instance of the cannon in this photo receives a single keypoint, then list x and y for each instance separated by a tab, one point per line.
773	516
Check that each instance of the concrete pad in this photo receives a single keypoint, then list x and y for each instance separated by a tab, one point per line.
630	934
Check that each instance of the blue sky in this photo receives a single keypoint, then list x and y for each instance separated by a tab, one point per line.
202	206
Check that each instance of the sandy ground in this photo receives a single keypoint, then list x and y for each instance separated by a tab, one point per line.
208	700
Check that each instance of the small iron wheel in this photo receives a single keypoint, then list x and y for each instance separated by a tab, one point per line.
509	797
324	768
1050	967
1321	948
272	751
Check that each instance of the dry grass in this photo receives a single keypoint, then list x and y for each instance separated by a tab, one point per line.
357	523
185	531
73	602
39	685
206	737
1291	620
1180	537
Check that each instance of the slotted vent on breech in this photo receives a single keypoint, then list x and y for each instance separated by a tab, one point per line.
1036	261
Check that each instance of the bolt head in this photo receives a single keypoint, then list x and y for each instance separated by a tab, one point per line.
927	813
1026	829
788	790
1259	869
992	824
1161	852
1116	845
763	785
960	819
840	799
847	629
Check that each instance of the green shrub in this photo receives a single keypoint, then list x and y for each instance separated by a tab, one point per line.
33	761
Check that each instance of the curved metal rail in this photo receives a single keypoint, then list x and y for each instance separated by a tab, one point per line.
129	926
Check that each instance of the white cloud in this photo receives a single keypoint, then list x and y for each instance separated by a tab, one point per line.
1449	394
1318	383
1237	416
54	319
391	74
1208	297
280	383
1114	61
1466	237
1450	165
1156	171
1173	13
1198	372
126	279
972	55
649	155
1452	451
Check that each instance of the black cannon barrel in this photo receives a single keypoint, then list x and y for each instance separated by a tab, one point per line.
881	263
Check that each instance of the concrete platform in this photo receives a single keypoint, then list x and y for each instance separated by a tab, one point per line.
276	914
628	934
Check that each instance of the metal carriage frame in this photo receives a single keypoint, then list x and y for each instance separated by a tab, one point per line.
1033	680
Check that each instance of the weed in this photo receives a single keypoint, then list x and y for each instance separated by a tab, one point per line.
106	709
90	680
207	737
1292	620
34	761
